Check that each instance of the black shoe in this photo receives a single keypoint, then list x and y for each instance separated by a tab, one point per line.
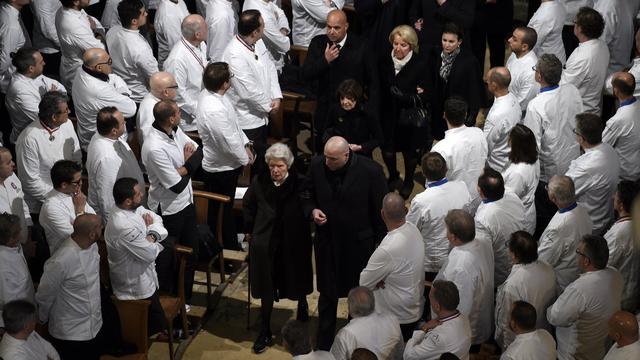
262	342
303	312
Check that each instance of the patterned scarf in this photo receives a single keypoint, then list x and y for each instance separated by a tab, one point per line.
447	63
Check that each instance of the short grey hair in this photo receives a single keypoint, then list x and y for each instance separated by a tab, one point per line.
550	69
563	189
279	151
361	302
17	314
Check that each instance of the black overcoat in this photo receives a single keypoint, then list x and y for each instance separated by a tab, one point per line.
461	12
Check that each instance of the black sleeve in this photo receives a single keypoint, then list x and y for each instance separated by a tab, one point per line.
315	64
179	187
459	11
192	165
250	206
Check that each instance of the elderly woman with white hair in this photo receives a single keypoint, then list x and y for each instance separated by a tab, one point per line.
280	240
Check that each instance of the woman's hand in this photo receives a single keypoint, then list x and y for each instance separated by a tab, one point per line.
355	147
419	90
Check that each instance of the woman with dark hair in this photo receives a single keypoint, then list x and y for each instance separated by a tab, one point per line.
523	172
453	71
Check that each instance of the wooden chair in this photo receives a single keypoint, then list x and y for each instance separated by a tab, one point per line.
299	53
133	316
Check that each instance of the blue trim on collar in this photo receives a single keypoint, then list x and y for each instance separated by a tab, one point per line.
437	183
628	102
487	201
568	208
549	88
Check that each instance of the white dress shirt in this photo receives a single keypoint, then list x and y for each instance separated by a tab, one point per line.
522	179
15	279
523	84
310	18
107	161
13	36
622	132
167	23
628	352
378	333
45	35
314	355
254	84
571	7
470	267
222	20
223	140
398	261
23	98
57	217
534	345
274	18
36	153
34	348
534	283
68	296
586	68
595	175
548	22
187	62
504	114
582	311
110	16
12	202
453	335
132	59
495	222
624	256
465	150
91	94
131	257
618	31
161	156
552	117
76	36
427	212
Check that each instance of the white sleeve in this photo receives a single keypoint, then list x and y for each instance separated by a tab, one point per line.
420	346
343	345
146	63
504	300
134	241
318	9
46	19
533	121
465	286
574	72
611	133
51	83
416	215
29	170
230	143
104	176
50	283
218	38
566	310
245	86
550	248
164	169
580	178
118	98
274	37
491	133
377	269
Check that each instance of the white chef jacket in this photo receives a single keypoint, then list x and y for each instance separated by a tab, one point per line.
23	98
534	283
167	23
379	333
161	156
398	261
559	241
310	19
522	179
552	117
571	7
36	154
622	132
144	117
274	18
68	296
222	21
465	150
12	37
453	336
223	140
45	35
91	94
595	175
35	347
132	59
427	212
57	216
110	16
254	84
187	62
582	311
131	257
586	68
548	22
535	345
624	256
504	114
618	31
523	83
629	352
15	279
495	222
107	161
635	71
470	267
76	36
315	355
12	202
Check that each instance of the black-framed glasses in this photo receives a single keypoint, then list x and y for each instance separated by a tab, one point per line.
534	68
77	183
582	254
172	86
109	62
575	131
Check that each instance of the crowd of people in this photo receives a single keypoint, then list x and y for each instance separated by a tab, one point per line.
522	238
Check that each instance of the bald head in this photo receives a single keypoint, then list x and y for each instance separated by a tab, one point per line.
336	153
94	56
393	207
337	25
160	83
500	77
194	28
337	144
623	327
85	223
337	15
624	84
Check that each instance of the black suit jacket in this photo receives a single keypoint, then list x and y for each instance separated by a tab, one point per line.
434	17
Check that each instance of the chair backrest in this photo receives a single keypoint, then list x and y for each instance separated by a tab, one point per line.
201	201
298	52
133	322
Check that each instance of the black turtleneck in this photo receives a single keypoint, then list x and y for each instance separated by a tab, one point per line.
96	74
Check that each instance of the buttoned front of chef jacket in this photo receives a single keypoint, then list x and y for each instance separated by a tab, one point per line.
624	255
222	21
586	68
548	22
595	175
535	345
453	335
622	132
504	114
15	279
523	84
12	38
552	117
45	35
68	295
23	98
582	312
379	333
618	31
274	18
427	212
57	216
131	256
12	202
167	24
522	179
34	347
310	19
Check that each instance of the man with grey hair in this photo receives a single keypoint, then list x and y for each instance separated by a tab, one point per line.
395	271
162	86
368	329
551	116
21	341
558	243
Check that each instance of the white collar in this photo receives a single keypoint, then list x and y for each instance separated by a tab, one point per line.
344	40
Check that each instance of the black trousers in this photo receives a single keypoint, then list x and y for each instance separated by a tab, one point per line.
166	265
224	183
407	330
79	350
157	320
52	64
545	209
36	263
327	309
569	40
259	138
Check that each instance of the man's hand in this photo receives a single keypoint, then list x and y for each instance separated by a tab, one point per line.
150	239
247	237
319	217
148	219
275	106
92	24
431	324
79	202
441	2
331	52
189	149
418	24
380	285
355	147
284	31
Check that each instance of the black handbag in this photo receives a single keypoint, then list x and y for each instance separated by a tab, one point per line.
417	116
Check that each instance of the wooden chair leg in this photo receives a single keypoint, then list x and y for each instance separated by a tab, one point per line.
170	326
249	299
221	263
209	285
185	323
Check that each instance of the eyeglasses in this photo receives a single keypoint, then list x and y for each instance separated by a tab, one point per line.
534	68
575	131
172	87
582	254
109	62
77	183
